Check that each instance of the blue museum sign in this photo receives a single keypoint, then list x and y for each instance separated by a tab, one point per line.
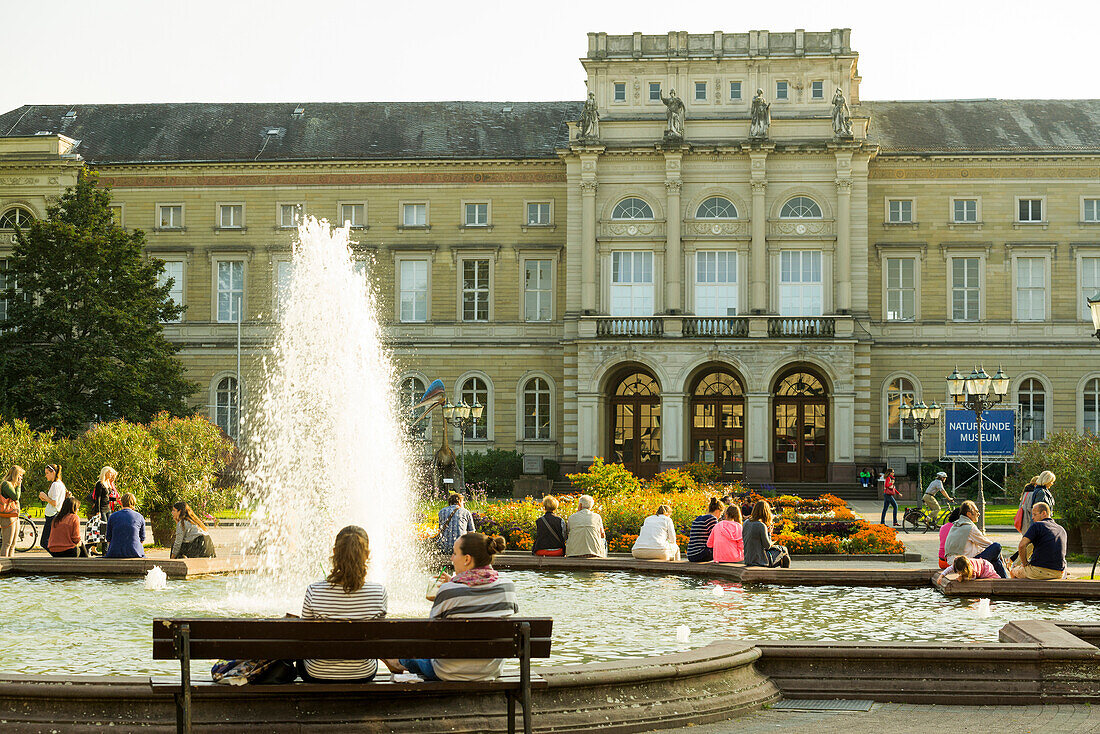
960	433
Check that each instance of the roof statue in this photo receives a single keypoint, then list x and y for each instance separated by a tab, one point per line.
842	119
674	113
761	117
590	119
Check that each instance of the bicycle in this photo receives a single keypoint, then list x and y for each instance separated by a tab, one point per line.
27	537
919	519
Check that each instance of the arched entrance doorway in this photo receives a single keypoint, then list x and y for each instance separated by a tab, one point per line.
718	422
636	423
801	405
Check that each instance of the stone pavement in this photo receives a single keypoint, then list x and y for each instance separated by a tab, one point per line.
899	718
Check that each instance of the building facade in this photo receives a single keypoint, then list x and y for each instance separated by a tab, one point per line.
666	273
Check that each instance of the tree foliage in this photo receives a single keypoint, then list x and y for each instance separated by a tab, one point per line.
83	340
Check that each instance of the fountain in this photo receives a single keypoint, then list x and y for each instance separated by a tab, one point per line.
326	446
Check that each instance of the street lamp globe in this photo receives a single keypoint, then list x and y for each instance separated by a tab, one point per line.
448	410
977	383
477	410
935	411
463	410
955	382
1000	382
905	411
920	411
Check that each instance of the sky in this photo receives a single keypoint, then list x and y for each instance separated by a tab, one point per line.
116	51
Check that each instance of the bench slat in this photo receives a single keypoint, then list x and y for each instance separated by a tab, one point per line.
381	687
348	649
382	629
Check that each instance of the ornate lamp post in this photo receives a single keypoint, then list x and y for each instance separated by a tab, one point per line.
1094	307
462	416
920	417
978	392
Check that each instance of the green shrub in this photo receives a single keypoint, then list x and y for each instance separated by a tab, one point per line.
1075	460
495	469
674	480
21	446
602	480
552	469
701	472
125	446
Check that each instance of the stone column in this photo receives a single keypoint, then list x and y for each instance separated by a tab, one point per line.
674	302
759	268
758	432
672	428
843	266
588	246
588	423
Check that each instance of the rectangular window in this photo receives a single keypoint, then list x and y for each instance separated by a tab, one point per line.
1031	210
631	284
116	215
231	216
477	215
1092	210
537	293
171	217
353	215
965	290
817	90
230	290
536	410
290	215
1031	289
1090	283
538	213
414	215
173	269
475	290
735	91
966	211
654	91
716	283
284	272
901	291
900	211
414	290
781	90
700	91
620	91
800	285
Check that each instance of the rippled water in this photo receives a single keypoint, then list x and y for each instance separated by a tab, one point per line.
51	625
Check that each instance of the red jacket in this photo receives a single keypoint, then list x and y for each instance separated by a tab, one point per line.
65	533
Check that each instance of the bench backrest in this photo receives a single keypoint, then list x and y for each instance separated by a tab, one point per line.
239	638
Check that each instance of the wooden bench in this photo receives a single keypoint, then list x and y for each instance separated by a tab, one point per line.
266	639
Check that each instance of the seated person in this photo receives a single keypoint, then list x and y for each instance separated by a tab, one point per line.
657	538
550	530
65	541
1045	543
125	531
344	594
725	538
585	537
757	538
971	568
699	551
965	539
944	530
192	539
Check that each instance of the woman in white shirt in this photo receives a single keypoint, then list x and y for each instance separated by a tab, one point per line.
657	538
53	499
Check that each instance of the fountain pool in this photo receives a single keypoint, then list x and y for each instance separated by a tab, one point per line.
78	626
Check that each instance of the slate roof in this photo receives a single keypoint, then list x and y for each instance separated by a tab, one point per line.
470	130
995	125
324	131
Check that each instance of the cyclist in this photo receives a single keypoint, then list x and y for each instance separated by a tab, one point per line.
935	487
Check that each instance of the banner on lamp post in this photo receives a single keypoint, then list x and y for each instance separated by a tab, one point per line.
960	434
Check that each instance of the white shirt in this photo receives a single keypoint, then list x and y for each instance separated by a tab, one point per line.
935	486
56	494
657	533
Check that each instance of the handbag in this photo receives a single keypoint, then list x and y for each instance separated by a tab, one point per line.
1019	521
8	507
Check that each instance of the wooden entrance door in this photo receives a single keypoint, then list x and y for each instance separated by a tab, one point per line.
636	424
801	444
718	423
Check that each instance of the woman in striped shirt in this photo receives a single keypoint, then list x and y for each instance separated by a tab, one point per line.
698	550
344	594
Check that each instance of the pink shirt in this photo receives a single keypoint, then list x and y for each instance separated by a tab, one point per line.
725	539
983	569
944	530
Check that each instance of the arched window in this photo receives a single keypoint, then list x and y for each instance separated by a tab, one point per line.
716	207
227	407
536	409
800	384
638	384
718	384
900	390
474	390
632	208
1032	398
1091	398
409	393
801	207
15	217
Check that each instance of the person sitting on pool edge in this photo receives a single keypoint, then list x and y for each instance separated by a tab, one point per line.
125	531
657	538
756	537
1042	549
965	539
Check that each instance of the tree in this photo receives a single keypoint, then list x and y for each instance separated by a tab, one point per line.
83	340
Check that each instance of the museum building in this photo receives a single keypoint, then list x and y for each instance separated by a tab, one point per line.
723	255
